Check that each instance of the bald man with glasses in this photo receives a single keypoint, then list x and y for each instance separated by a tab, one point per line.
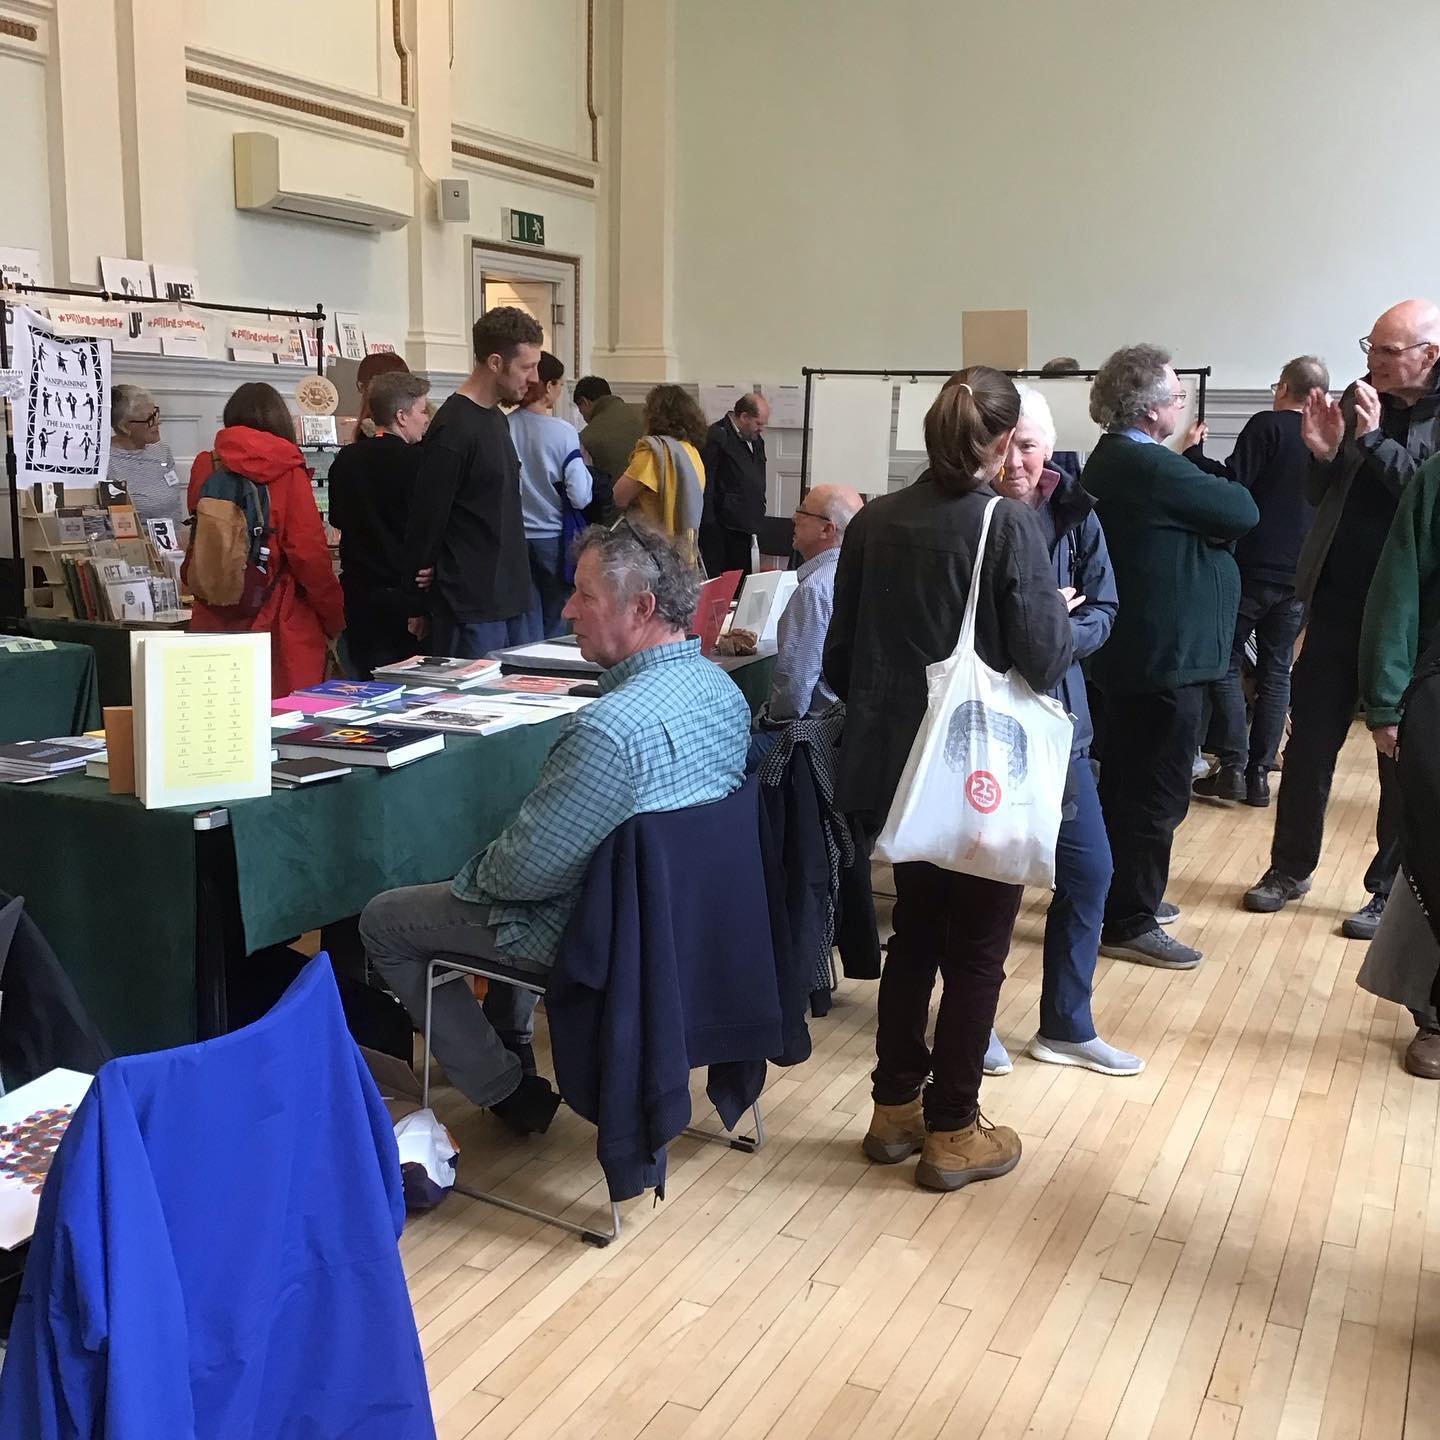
1365	450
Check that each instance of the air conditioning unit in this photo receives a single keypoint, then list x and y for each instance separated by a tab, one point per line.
312	179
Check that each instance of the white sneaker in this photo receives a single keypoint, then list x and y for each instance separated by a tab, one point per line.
1093	1055
997	1057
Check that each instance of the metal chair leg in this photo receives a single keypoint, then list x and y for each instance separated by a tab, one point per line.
598	1238
747	1143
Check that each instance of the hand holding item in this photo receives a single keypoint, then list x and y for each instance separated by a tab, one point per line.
1072	601
1322	425
1196	434
1387	739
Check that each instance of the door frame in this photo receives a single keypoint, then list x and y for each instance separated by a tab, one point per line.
532	262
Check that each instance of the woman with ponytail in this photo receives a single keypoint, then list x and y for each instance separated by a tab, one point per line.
900	591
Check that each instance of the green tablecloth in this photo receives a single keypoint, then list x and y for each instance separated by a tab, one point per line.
110	642
114	886
46	693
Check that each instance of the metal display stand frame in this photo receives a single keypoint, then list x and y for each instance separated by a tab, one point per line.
1201	372
15	601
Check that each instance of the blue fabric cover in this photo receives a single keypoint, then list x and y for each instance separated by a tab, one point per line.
216	1257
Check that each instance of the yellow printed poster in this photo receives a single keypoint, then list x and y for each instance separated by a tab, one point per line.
202	717
210	710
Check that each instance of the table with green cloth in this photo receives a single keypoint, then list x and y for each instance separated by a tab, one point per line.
147	908
109	639
48	693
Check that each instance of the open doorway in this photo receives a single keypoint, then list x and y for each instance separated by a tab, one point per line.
539	282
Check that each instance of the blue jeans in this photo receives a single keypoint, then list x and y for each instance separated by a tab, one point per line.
1072	928
448	636
549	591
1275	616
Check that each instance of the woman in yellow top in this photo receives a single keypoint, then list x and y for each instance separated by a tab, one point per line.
665	479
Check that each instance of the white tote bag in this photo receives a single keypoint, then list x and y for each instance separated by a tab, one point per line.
982	790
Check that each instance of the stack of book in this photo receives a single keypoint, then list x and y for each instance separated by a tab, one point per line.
23	644
382	747
25	761
447	670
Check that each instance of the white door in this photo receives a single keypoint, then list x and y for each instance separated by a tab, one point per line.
541	285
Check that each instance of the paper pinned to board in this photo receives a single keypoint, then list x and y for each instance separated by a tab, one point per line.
787	406
717	400
916	398
850	432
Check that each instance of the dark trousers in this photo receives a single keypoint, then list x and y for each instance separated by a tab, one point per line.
476	639
722	549
1324	694
549	590
1274	615
1072	928
960	927
1144	792
376	630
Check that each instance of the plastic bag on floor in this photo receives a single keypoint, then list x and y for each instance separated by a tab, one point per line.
427	1159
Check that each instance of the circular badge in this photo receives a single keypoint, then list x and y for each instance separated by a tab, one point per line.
983	791
317	395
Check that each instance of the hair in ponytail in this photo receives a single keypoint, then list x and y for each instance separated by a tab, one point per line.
976	406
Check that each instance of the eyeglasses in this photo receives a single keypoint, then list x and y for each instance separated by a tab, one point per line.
1177	397
646	542
1390	352
823	519
1275	388
149	419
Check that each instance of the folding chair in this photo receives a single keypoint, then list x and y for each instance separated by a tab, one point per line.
504	975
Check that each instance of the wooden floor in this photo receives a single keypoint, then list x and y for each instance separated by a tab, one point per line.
1242	1242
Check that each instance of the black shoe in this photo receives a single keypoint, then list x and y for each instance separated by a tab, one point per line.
1257	789
1274	891
1227	783
1363	924
530	1108
1166	913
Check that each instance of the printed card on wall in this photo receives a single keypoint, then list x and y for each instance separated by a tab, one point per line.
259	340
349	334
62	419
175	282
125	277
179	331
17	267
374	345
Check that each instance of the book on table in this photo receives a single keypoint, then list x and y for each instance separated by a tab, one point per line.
467	715
382	747
39	759
295	774
449	670
354	692
302	704
532	685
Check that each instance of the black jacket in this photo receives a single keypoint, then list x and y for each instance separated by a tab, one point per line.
734	479
1383	462
900	591
371	486
1270	460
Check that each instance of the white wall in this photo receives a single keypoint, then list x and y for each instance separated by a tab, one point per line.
22	118
1239	181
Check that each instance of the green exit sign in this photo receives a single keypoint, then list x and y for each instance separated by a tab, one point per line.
527	228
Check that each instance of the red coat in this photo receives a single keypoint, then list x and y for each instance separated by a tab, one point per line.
305	606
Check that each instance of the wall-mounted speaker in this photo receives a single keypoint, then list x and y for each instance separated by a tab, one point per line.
452	197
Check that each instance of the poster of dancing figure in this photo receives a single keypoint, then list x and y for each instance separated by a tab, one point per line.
62	415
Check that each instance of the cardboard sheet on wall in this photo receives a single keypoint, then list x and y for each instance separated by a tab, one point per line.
996	337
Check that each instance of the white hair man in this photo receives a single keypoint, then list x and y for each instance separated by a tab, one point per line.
798	688
1365	450
669	731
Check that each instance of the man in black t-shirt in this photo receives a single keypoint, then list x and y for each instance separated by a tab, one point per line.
1270	460
371	485
465	522
1365	449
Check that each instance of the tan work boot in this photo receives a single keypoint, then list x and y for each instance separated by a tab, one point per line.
956	1158
896	1132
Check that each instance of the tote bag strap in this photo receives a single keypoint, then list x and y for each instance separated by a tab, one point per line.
972	602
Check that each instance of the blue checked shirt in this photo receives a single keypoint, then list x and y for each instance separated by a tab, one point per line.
670	730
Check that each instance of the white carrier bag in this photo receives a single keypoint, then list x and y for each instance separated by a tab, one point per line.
982	790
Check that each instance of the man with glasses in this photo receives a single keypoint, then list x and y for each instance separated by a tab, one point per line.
669	731
1365	449
1270	460
798	688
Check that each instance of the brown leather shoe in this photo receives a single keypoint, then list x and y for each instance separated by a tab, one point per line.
956	1158
1422	1058
896	1132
